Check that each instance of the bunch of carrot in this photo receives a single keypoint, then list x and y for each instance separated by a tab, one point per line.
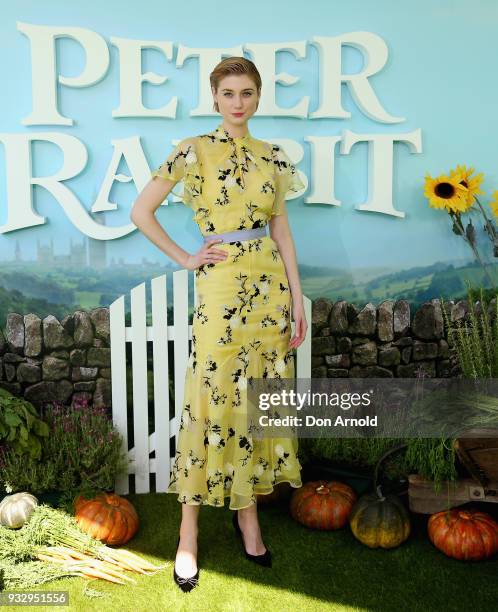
107	568
54	536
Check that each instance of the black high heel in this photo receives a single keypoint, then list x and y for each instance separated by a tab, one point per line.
186	584
264	559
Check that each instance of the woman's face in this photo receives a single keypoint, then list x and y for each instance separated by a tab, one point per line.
237	98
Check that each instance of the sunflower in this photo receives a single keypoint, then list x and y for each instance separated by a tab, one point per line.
473	183
447	192
494	204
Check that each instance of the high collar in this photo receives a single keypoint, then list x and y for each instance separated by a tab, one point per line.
242	150
221	134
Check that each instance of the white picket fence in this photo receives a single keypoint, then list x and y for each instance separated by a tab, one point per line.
159	333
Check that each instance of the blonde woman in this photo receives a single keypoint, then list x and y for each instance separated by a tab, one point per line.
247	282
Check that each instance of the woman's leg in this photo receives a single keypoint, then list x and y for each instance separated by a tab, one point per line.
248	521
186	555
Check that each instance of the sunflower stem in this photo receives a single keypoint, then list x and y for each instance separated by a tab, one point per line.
489	225
458	219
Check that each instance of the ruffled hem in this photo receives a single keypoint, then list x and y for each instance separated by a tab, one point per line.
215	501
216	455
182	165
287	179
192	186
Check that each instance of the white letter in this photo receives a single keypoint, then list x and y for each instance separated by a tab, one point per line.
131	79
207	60
380	166
44	79
323	168
265	58
374	50
20	213
130	149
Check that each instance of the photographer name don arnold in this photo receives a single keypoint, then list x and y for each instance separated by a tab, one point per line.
309	420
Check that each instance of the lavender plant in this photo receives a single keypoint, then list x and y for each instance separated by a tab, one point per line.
82	452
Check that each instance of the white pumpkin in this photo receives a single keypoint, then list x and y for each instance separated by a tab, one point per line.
16	509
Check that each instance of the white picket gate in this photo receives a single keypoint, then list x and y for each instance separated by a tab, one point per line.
159	333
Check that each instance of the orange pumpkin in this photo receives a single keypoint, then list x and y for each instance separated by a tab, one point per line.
322	504
464	534
107	517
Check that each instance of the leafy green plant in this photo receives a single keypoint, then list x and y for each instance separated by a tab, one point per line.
82	453
20	427
476	340
432	458
362	453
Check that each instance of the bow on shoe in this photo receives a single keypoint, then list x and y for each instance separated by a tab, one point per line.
192	580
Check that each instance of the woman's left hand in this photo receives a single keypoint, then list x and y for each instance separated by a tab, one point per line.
301	326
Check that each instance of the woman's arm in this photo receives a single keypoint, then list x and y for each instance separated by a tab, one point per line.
143	216
280	232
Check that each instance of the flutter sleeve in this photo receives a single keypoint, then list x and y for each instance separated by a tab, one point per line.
182	164
287	179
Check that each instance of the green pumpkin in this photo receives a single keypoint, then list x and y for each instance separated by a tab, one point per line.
378	520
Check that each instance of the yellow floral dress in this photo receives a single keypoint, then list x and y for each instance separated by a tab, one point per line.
241	322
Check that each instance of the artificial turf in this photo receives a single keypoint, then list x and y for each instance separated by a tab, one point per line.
312	570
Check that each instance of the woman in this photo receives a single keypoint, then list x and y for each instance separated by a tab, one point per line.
235	184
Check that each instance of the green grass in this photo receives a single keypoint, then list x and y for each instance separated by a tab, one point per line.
312	570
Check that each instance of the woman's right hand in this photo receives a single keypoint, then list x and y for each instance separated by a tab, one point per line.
206	254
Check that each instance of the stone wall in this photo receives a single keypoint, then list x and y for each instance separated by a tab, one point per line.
47	360
384	341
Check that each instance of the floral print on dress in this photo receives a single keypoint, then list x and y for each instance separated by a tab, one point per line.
245	178
241	326
182	164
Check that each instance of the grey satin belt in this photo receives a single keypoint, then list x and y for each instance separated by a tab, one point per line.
243	234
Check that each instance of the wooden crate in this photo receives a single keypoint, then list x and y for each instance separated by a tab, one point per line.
422	497
477	449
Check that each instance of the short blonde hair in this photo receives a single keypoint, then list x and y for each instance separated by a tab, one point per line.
234	65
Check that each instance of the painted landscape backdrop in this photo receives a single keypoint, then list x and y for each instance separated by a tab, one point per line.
62	288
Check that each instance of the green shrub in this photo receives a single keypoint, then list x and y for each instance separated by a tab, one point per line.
476	340
20	428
